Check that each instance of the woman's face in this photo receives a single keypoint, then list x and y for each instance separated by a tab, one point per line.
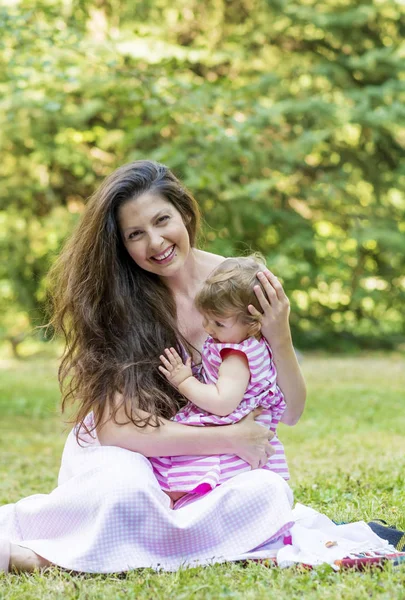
154	234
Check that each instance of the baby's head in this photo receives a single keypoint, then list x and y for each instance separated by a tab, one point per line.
225	296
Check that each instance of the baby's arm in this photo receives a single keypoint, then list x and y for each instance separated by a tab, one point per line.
220	398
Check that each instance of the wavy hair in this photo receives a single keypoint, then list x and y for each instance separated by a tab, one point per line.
116	317
229	290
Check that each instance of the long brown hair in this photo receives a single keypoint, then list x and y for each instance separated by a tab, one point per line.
115	317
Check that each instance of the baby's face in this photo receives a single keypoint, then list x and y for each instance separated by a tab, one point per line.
226	329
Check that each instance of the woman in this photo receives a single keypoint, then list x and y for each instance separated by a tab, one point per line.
123	289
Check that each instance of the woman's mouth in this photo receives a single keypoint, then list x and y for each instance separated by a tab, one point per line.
164	257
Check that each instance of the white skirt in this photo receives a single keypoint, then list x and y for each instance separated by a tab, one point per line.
108	514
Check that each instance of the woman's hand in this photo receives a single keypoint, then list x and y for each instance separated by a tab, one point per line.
251	441
275	306
276	330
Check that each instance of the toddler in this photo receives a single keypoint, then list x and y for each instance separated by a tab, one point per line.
237	375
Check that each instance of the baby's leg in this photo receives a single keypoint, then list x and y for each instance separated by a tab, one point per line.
174	496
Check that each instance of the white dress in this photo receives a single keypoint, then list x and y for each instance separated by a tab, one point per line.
108	514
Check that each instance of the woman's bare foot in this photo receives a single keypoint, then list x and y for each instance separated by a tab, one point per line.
24	559
4	555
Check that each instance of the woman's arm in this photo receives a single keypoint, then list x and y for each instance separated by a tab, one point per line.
290	381
246	439
220	398
276	330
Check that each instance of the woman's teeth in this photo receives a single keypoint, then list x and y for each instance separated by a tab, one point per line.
165	255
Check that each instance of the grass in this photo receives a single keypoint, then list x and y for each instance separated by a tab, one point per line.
347	459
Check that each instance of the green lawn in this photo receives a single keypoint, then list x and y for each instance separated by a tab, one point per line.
347	458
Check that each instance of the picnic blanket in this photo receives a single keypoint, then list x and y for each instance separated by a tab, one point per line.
316	540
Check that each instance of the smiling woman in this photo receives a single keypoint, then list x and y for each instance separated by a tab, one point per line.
154	234
124	289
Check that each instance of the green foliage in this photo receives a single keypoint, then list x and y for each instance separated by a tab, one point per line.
284	119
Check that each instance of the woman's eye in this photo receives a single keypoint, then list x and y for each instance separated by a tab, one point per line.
162	219
218	324
133	235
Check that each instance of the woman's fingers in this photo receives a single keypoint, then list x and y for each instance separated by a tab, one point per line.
253	311
267	453
265	302
254	440
271	282
262	461
277	285
267	285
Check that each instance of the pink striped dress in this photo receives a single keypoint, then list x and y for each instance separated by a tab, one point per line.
200	474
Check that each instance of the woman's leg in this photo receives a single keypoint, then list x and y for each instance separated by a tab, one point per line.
89	522
24	559
16	558
112	516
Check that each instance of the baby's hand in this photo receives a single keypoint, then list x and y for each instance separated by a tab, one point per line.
174	369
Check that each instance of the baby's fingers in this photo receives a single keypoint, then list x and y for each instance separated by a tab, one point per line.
165	372
173	357
176	355
166	363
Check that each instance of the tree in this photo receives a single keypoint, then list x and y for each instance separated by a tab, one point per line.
282	117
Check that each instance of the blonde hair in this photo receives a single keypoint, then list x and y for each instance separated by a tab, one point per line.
228	290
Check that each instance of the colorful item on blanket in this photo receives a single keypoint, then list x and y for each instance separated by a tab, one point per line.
358	562
361	560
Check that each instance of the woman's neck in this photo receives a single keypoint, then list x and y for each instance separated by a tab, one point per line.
188	280
184	287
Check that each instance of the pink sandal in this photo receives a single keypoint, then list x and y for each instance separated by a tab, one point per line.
4	556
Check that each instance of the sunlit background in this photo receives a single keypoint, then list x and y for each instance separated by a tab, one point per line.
285	119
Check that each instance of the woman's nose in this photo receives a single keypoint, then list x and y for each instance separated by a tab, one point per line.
155	242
